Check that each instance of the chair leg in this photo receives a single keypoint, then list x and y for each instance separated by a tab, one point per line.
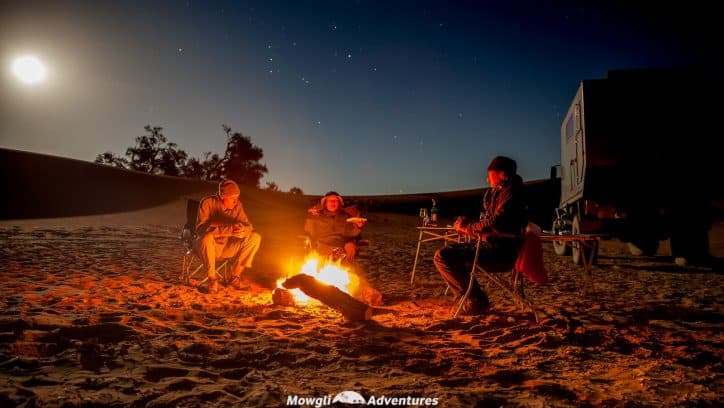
417	255
222	274
198	268
218	275
186	273
525	304
185	267
463	298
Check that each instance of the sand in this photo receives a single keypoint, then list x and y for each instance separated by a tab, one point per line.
92	314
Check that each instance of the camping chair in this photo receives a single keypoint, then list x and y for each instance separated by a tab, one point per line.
192	262
513	287
336	254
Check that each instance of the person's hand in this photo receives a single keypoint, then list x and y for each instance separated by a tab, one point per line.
458	223
314	211
360	223
461	225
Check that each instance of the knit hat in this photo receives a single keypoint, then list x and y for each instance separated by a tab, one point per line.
332	194
228	188
504	164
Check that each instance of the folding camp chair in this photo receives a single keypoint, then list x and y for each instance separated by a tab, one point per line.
192	262
336	254
513	287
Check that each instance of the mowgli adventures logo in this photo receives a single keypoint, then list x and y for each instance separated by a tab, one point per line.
352	397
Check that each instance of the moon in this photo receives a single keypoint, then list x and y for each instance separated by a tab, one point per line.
29	69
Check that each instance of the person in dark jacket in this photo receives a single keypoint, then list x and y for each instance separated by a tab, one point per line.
504	212
330	225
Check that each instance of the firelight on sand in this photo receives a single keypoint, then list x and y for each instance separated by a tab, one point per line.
29	69
331	273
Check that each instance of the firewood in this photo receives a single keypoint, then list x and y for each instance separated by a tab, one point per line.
351	308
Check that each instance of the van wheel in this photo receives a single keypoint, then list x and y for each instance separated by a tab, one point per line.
560	247
591	252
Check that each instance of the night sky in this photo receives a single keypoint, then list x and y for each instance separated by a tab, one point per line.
357	96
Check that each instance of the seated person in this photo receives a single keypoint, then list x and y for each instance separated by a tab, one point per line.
327	226
328	229
224	232
504	212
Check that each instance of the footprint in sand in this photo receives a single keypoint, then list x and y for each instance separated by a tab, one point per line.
158	373
195	353
182	385
235	374
509	378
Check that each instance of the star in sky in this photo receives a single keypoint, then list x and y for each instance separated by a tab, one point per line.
467	65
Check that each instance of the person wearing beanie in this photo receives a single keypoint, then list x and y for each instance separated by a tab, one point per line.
224	232
504	211
327	226
331	225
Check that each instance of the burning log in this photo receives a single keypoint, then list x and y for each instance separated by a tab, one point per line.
351	308
282	297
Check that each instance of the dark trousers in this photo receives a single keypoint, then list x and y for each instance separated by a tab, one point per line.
455	262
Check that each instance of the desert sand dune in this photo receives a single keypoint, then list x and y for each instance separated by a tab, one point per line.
92	313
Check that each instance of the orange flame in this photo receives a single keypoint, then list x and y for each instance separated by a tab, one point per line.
324	270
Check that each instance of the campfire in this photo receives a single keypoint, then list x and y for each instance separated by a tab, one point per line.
326	281
326	271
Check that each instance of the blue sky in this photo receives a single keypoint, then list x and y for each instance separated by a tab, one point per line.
356	96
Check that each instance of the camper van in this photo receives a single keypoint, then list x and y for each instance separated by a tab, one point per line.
638	161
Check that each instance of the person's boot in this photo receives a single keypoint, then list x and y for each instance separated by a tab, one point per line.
237	283
473	307
236	278
213	286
